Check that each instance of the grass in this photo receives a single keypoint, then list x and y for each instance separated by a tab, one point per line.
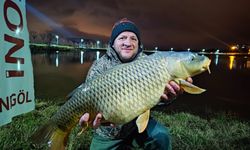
219	131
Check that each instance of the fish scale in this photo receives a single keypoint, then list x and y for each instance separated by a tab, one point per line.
126	91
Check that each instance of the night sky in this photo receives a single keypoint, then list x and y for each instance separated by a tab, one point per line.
179	24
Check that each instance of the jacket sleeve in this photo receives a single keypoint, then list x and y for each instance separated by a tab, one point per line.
97	68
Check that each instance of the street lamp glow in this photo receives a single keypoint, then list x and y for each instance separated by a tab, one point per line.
81	44
98	42
156	48
57	37
188	49
203	50
171	49
233	47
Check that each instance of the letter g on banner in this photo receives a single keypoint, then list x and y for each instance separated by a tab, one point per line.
16	71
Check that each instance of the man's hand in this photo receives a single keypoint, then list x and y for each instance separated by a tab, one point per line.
172	90
96	123
85	119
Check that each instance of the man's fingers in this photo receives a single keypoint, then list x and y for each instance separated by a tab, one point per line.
170	88
84	119
169	93
174	85
164	97
190	80
97	120
96	123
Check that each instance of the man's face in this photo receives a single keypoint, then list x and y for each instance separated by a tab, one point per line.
126	45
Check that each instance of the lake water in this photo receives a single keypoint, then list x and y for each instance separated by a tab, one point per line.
57	74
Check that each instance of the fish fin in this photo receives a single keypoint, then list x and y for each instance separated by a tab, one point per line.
50	134
189	87
43	134
58	140
142	121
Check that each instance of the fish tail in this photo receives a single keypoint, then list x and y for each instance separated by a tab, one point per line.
58	140
51	135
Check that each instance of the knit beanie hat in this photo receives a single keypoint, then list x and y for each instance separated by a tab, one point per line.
124	25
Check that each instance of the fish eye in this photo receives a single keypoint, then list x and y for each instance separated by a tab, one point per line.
192	57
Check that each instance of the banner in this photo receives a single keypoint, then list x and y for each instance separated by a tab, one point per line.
16	72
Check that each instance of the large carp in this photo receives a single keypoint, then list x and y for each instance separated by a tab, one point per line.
123	93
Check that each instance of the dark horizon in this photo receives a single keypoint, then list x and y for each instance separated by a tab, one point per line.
187	24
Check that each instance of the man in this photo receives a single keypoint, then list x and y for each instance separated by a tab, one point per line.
125	46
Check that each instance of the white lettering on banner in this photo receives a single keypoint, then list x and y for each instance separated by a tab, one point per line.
18	42
16	72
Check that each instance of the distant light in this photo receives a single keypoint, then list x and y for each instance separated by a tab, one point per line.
203	50
82	40
234	47
171	49
57	37
97	44
156	48
188	49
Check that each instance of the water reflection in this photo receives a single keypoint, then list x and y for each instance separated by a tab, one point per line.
248	63
231	62
61	58
216	60
81	57
57	59
97	55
